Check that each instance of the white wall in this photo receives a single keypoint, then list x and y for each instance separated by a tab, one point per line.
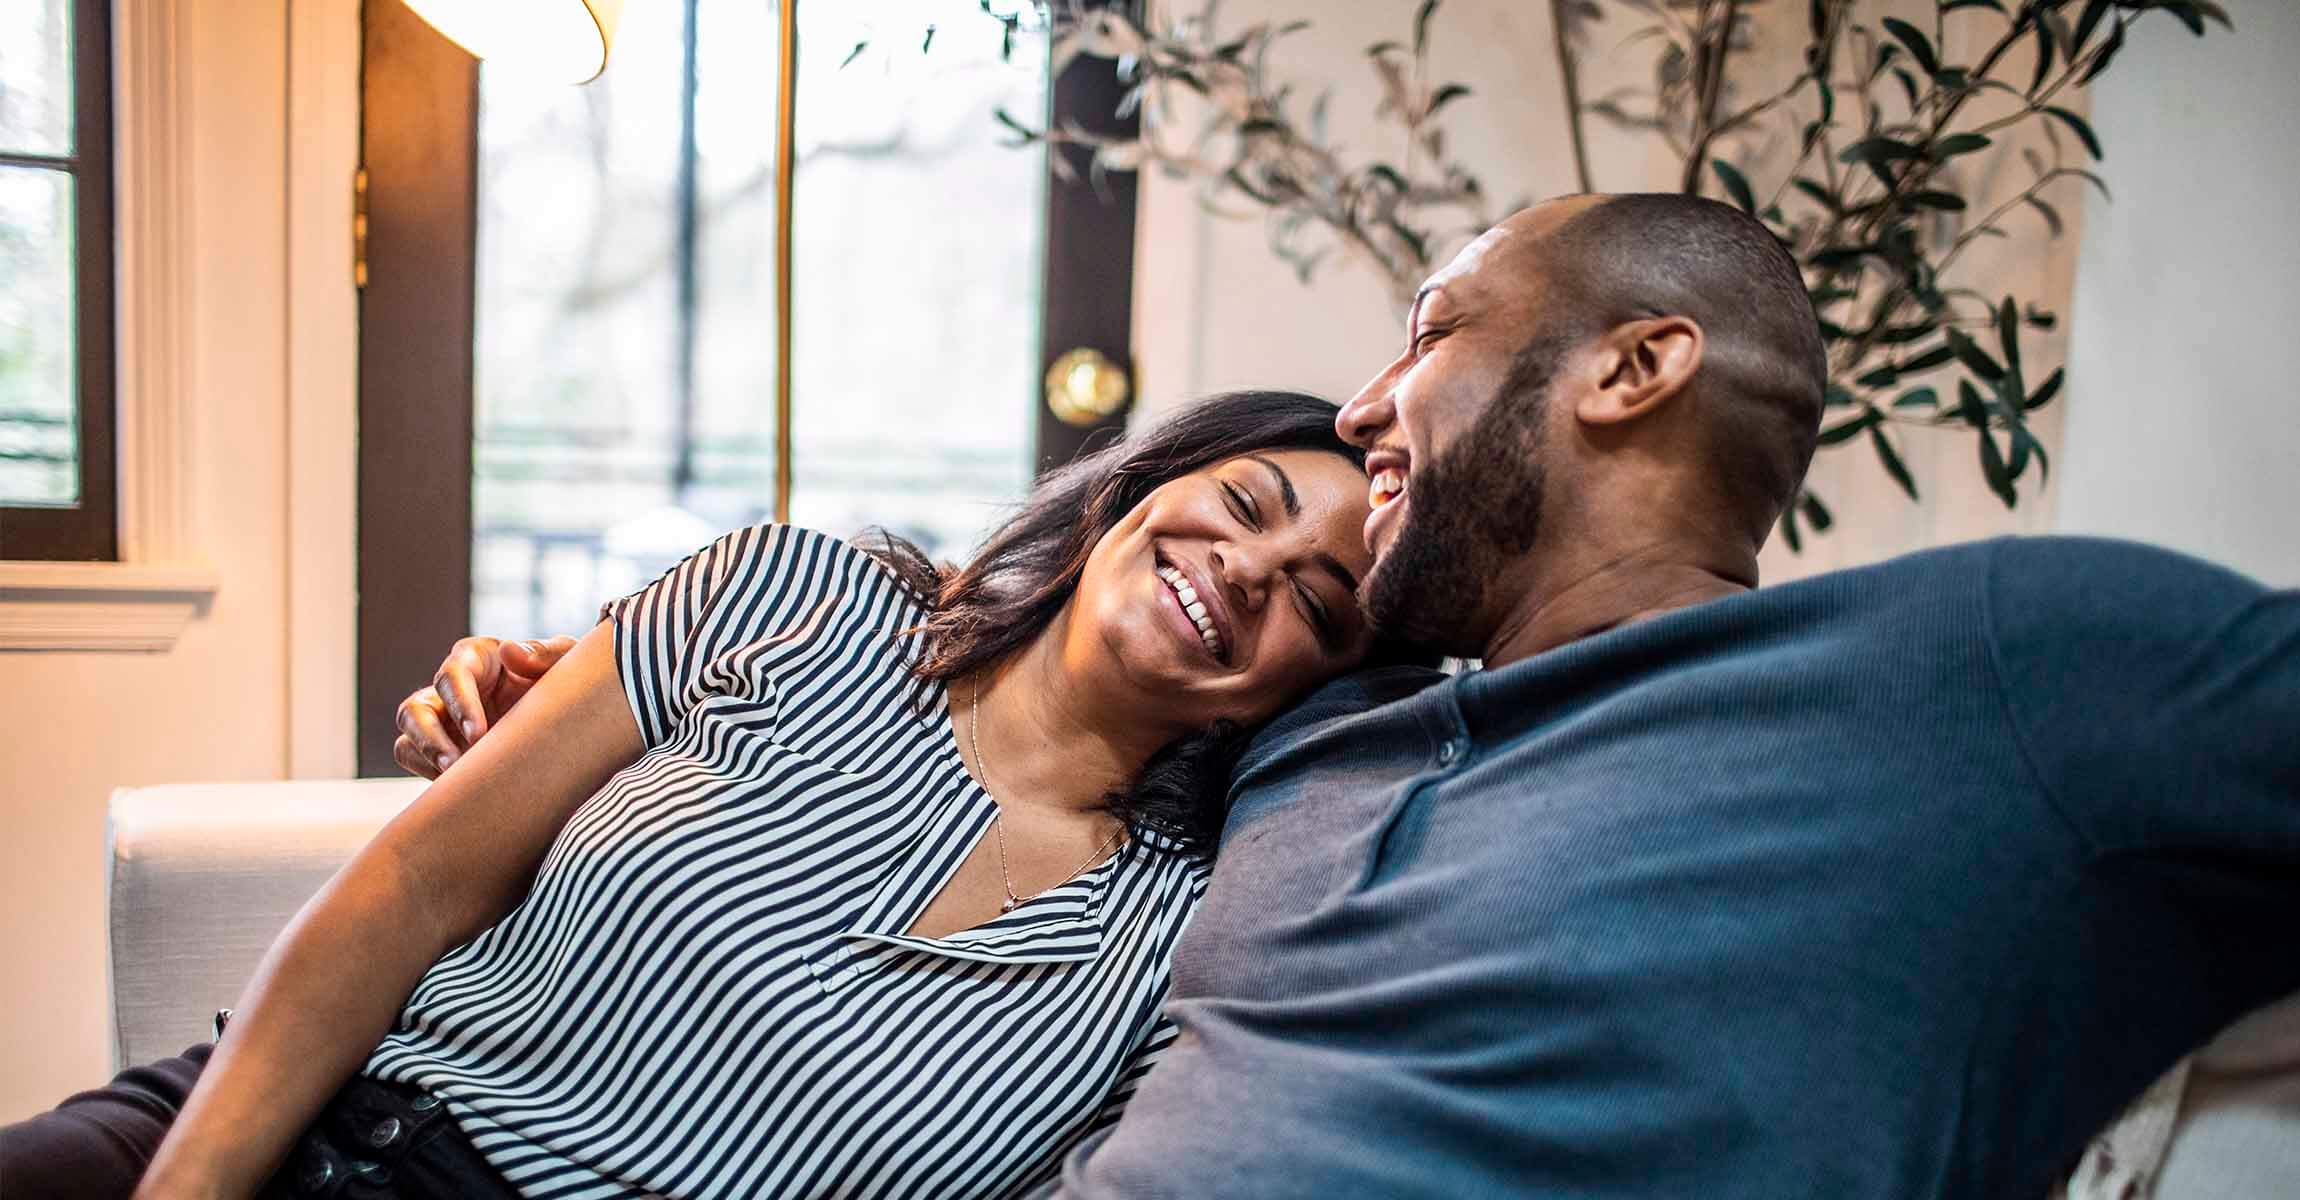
217	704
1215	310
2184	425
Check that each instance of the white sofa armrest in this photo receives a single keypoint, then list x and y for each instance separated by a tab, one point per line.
203	877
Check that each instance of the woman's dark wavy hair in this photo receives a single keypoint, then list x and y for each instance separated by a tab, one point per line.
1029	567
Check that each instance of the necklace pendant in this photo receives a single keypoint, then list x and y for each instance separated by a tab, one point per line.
1008	905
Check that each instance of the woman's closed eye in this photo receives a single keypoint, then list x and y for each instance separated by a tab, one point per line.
1242	505
1319	615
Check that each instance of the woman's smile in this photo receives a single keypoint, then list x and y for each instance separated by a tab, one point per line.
1195	612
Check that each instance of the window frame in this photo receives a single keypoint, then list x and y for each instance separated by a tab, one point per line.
90	530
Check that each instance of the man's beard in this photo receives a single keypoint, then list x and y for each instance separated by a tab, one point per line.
1472	512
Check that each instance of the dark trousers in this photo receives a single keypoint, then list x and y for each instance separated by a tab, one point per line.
373	1140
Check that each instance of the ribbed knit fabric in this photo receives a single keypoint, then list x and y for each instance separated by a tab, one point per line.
1895	882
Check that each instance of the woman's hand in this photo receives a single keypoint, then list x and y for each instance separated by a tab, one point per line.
478	681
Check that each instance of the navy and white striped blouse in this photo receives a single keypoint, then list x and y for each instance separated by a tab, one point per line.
709	991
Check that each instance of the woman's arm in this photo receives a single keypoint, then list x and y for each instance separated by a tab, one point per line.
455	862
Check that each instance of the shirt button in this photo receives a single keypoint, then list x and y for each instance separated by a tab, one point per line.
1449	753
385	1132
424	1102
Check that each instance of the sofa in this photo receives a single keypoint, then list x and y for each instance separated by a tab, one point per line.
203	877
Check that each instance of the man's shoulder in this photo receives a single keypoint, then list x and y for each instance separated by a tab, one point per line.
1350	696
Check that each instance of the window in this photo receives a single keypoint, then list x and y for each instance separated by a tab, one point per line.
625	318
57	467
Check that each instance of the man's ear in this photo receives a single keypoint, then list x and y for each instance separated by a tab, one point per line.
1640	366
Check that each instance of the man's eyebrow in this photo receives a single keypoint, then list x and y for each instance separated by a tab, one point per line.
1285	486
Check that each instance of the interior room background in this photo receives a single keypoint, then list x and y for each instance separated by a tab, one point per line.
622	398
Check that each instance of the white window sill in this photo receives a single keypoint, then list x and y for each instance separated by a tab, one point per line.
100	606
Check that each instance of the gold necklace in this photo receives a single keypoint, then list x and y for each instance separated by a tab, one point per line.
998	823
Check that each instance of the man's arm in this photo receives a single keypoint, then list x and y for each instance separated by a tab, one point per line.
478	682
451	865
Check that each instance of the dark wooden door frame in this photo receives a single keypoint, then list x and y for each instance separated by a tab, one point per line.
1088	302
419	138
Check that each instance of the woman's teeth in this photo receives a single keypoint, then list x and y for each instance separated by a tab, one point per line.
1388	484
1196	610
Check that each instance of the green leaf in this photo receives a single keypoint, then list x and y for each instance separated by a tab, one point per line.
1024	132
1838	256
2213	11
2044	56
1441	97
1891	460
1950	6
1928	360
2051	215
1735	184
1880	150
1959	143
1945	201
1819	194
2025	444
1970	406
2108	51
2041	318
2085	24
1815	511
857	52
1923	397
1846	430
2008	335
1837	397
1877	377
1995	469
1902	335
1789	532
2078	124
2186	13
1920	46
1909	85
1973	356
1422	25
2044	393
1380	48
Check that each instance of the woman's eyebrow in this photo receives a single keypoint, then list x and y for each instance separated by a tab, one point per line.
1285	486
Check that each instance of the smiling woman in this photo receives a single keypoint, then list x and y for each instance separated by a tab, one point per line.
735	902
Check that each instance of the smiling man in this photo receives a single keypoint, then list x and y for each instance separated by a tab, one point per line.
1895	882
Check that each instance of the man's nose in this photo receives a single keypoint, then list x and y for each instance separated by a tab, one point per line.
1361	421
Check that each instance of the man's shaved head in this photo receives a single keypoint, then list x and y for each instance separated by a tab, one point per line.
1613	259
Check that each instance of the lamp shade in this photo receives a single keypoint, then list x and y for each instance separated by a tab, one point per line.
561	40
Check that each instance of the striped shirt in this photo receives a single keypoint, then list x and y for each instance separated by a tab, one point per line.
709	990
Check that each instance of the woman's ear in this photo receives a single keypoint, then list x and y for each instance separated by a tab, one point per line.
1640	365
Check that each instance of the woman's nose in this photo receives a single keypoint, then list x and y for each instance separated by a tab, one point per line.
1244	569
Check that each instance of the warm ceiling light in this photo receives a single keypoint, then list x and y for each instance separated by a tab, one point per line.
561	40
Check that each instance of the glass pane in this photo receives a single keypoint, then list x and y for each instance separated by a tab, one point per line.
39	409
918	270
579	336
36	76
620	426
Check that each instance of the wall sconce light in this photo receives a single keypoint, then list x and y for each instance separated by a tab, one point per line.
565	41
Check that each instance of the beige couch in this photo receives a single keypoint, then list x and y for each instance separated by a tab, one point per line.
203	876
